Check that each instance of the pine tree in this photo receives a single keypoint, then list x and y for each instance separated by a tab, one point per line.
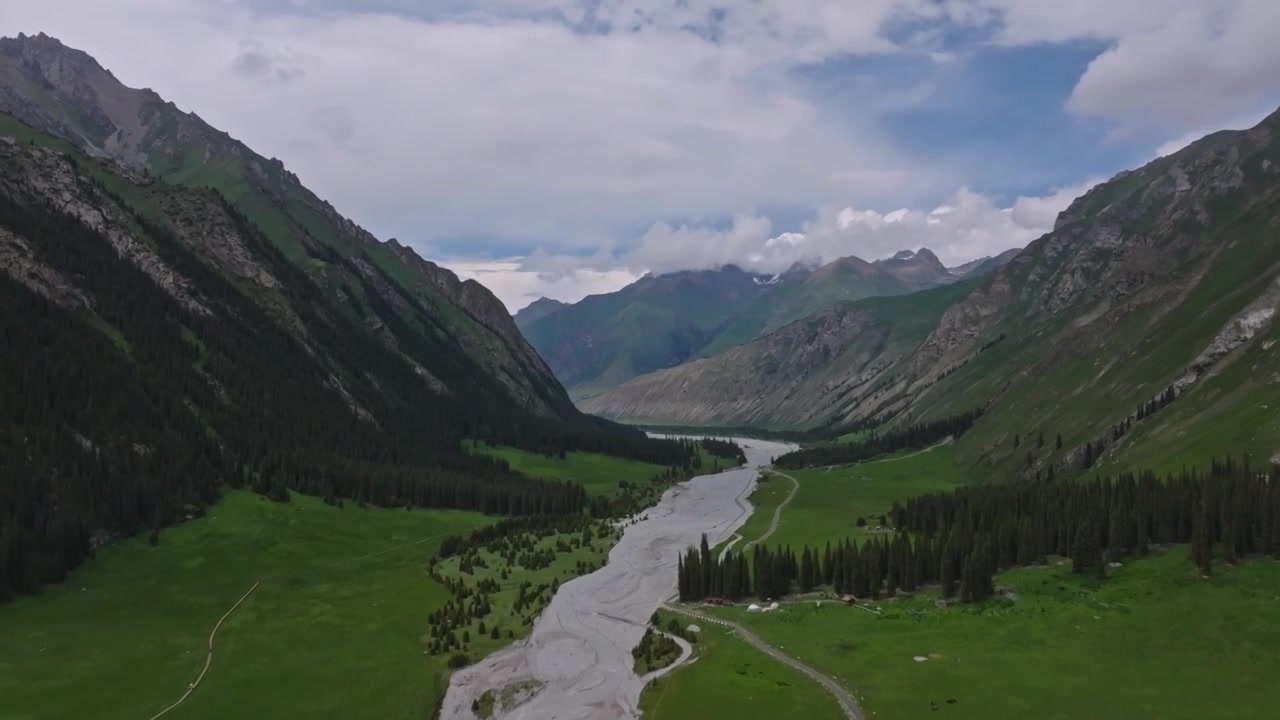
1201	544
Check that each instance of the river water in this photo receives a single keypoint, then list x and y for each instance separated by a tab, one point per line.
579	653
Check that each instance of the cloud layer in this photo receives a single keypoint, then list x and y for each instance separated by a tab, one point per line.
671	133
966	227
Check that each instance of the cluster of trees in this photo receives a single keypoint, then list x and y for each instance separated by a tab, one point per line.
913	436
992	342
132	410
655	650
1158	403
878	567
726	449
1230	504
960	540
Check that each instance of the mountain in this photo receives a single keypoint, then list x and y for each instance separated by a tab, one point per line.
798	376
180	314
801	294
1141	329
660	322
656	322
66	93
537	310
984	265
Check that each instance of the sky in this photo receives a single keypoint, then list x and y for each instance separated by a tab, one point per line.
565	147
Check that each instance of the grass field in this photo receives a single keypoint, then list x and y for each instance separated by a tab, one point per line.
127	633
599	474
771	492
343	604
829	502
1153	640
731	679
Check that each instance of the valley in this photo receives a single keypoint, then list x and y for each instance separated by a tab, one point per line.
936	412
578	660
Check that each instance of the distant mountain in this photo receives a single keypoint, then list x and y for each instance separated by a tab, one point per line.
803	293
1141	329
984	265
655	322
179	314
660	322
537	310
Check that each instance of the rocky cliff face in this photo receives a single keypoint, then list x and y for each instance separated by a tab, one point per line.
65	93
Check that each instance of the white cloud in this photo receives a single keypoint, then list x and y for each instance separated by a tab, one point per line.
1173	64
517	286
1204	64
1039	213
576	123
497	123
967	226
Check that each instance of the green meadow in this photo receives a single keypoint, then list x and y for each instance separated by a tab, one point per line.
731	679
333	629
1153	639
830	500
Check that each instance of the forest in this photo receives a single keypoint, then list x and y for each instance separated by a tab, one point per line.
913	436
130	411
958	541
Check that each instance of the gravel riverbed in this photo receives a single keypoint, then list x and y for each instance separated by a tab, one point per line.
576	664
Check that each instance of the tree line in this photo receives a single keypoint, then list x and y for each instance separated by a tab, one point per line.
132	411
917	435
961	539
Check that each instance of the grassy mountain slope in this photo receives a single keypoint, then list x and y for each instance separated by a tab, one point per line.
801	295
656	322
660	322
793	378
1164	276
67	94
161	344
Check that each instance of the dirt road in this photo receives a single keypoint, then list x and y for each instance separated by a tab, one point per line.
847	702
777	512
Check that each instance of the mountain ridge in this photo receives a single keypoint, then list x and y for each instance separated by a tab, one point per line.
65	92
606	339
1162	278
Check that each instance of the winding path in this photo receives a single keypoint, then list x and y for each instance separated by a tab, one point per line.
208	658
847	703
931	448
777	512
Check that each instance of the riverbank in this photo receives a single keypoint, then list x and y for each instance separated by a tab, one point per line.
579	653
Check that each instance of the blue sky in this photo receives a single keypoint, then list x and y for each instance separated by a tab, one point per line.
565	146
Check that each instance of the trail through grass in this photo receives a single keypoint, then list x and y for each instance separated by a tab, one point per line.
830	501
730	679
127	634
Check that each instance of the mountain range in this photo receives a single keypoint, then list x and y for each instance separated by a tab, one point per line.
182	314
661	321
1141	328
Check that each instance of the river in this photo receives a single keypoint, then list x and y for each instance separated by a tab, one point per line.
579	654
